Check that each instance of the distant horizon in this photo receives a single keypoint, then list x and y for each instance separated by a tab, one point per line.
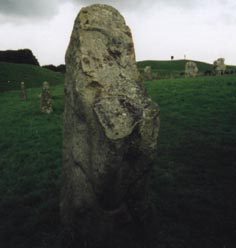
174	59
203	30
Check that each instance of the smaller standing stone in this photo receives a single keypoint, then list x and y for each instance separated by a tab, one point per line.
148	73
23	96
191	69
219	66
46	99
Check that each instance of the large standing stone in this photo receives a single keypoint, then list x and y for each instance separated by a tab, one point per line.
110	136
46	99
23	95
191	69
219	66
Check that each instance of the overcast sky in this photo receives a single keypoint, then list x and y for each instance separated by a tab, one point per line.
200	29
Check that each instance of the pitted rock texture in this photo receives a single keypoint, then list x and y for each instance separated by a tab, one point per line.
46	99
110	136
191	69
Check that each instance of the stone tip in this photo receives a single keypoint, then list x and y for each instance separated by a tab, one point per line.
99	9
100	5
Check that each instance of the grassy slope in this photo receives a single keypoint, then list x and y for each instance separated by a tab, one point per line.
33	76
30	161
173	66
196	165
195	168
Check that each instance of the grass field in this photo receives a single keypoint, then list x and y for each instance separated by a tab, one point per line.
30	161
196	162
12	74
194	171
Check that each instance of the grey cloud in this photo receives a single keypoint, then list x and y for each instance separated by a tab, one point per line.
29	8
123	4
45	9
137	4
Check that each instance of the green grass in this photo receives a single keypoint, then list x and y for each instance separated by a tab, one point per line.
194	172
196	161
12	74
30	161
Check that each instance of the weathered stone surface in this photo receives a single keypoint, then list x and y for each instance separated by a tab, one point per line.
110	136
219	66
23	95
191	69
46	99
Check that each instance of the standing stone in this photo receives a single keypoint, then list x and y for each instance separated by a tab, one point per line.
219	66
148	73
191	69
23	95
46	99
110	136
